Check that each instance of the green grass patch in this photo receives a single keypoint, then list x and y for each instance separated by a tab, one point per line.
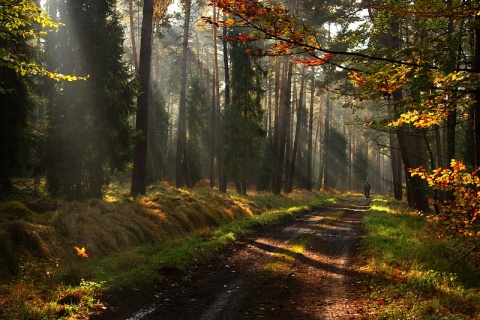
413	274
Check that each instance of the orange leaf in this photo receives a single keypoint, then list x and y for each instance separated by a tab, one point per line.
81	252
399	274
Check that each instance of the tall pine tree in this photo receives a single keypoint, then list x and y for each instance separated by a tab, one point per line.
197	115
243	117
89	137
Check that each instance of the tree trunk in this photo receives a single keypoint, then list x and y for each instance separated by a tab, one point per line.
310	133
285	123
289	183
396	157
315	148
132	36
396	162
211	147
211	129
412	150
139	172
289	148
476	95
274	176
269	107
409	140
222	183
349	136
321	147
433	165
449	145
326	180
218	119
289	135
182	170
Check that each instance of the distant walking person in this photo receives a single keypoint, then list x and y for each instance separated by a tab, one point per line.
366	189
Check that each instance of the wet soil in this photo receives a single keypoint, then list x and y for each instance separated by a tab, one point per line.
264	277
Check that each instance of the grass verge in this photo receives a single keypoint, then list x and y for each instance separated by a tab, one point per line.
413	274
121	243
145	264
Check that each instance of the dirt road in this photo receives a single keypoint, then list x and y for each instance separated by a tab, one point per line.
298	269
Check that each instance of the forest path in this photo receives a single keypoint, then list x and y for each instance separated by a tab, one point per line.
297	269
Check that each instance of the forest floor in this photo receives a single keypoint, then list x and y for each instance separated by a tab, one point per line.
300	268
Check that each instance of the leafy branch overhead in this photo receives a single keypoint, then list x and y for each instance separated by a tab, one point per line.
23	21
271	20
422	66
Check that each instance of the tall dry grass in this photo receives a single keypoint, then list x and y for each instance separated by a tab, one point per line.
48	228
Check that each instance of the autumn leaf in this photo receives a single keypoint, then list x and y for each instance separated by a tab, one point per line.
328	56
81	252
309	61
229	22
399	274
